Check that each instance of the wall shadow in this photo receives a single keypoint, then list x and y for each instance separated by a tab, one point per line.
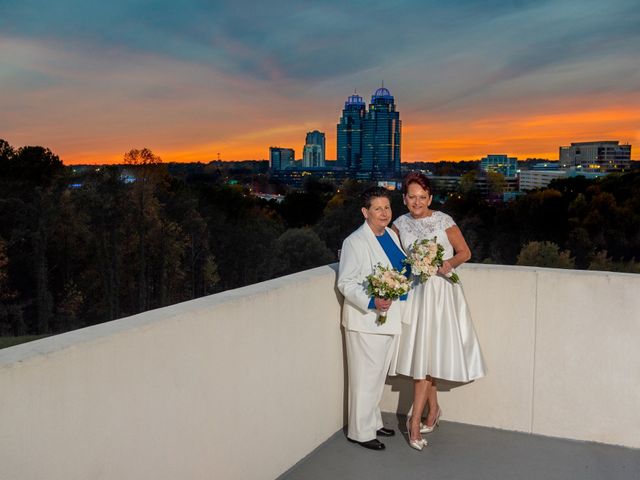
345	376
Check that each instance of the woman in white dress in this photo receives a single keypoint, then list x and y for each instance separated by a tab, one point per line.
438	340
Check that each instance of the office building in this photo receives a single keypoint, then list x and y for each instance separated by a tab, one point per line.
313	152
381	137
604	156
545	166
537	178
349	138
296	177
445	185
281	158
507	166
369	141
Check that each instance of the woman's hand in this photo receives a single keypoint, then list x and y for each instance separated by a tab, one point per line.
382	305
445	268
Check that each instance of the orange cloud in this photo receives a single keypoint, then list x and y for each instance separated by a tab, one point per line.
521	135
425	138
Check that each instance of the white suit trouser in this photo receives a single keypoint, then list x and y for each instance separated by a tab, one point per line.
368	359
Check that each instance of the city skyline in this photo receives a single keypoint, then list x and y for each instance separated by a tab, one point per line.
92	81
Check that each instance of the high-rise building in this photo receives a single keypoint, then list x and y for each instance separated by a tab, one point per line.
507	166
369	141
381	137
604	156
314	148
350	128
281	158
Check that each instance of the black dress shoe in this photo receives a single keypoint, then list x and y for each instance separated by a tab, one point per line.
386	432
374	444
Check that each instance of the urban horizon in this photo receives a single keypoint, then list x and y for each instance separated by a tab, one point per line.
119	161
182	157
196	82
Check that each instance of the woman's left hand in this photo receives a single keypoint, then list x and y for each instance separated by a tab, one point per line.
445	268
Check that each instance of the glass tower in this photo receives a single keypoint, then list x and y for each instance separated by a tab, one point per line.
350	128
381	137
281	158
369	141
313	151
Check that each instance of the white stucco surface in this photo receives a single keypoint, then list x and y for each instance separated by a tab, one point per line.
245	383
236	385
561	350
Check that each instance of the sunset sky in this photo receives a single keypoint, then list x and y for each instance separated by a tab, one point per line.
91	80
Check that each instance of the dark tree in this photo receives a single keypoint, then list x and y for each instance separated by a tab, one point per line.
299	249
36	165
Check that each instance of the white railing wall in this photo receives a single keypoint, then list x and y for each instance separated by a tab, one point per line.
238	385
562	353
245	383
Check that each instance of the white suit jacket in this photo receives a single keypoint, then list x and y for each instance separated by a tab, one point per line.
361	252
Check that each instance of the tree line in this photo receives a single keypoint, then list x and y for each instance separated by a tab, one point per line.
76	251
573	223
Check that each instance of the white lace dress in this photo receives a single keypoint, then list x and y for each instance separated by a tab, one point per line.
438	338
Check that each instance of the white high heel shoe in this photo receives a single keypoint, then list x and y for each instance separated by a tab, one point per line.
417	444
428	429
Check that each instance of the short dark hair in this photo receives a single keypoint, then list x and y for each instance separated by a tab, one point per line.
419	178
373	192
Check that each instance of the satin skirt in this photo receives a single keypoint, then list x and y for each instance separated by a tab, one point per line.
438	338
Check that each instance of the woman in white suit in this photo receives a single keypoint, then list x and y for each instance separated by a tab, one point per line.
370	344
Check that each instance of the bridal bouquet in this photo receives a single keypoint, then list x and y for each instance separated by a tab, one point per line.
425	256
389	284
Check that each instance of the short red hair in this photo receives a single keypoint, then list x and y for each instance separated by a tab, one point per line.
419	178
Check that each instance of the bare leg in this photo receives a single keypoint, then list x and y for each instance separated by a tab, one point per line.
421	390
432	399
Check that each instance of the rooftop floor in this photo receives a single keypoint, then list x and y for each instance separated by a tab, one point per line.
458	451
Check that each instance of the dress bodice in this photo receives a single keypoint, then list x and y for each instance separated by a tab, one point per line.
435	225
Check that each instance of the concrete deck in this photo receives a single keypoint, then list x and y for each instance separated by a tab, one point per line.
458	451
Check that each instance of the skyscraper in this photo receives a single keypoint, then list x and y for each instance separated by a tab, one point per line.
349	153
369	141
381	139
314	148
281	158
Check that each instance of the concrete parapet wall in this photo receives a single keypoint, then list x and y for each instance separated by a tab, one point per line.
562	352
238	385
243	384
